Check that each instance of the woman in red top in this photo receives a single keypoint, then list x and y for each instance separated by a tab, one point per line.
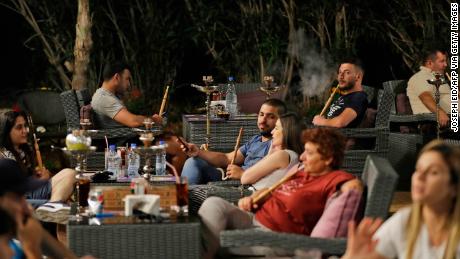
293	207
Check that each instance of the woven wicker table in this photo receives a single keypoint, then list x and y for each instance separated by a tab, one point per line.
223	132
127	237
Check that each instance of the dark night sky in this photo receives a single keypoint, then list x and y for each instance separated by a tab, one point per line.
14	54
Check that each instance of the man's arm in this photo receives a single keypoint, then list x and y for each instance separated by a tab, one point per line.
132	120
55	248
347	116
429	102
34	239
30	234
128	119
216	159
219	159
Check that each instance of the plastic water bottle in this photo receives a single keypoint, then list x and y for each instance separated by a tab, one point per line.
113	162
134	162
231	101
160	165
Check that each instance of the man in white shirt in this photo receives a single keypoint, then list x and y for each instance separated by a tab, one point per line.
421	93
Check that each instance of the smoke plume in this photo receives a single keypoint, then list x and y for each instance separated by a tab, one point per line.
315	70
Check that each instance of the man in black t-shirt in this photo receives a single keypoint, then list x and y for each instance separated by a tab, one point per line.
349	109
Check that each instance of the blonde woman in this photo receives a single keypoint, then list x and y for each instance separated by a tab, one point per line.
430	228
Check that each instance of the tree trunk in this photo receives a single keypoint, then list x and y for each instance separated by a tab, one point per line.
83	45
292	57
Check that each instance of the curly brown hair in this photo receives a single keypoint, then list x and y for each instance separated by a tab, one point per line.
331	144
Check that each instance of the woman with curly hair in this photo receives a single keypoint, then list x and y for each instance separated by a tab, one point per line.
284	210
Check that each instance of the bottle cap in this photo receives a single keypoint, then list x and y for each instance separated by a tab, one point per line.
133	145
230	78
112	147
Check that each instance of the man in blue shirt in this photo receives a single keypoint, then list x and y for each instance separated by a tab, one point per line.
201	167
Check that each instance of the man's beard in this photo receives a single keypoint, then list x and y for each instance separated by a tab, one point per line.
348	86
266	133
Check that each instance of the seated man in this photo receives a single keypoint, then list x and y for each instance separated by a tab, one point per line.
201	166
30	234
108	107
349	109
421	93
295	206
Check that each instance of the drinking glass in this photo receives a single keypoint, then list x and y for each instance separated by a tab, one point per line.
83	186
182	196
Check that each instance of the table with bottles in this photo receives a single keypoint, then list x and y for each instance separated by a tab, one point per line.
223	132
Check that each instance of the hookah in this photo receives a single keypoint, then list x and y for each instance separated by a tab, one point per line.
437	81
147	135
208	90
148	151
78	146
268	86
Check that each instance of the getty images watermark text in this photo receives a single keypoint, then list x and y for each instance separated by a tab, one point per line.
454	66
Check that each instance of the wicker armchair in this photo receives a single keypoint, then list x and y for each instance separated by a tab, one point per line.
396	88
355	159
412	124
405	140
380	180
199	193
73	100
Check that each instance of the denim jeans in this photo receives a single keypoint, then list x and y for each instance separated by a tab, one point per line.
198	171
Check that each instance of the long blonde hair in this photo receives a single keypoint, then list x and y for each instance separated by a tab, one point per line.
451	155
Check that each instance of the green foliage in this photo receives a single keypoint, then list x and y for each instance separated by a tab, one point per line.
147	35
412	26
241	36
245	38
